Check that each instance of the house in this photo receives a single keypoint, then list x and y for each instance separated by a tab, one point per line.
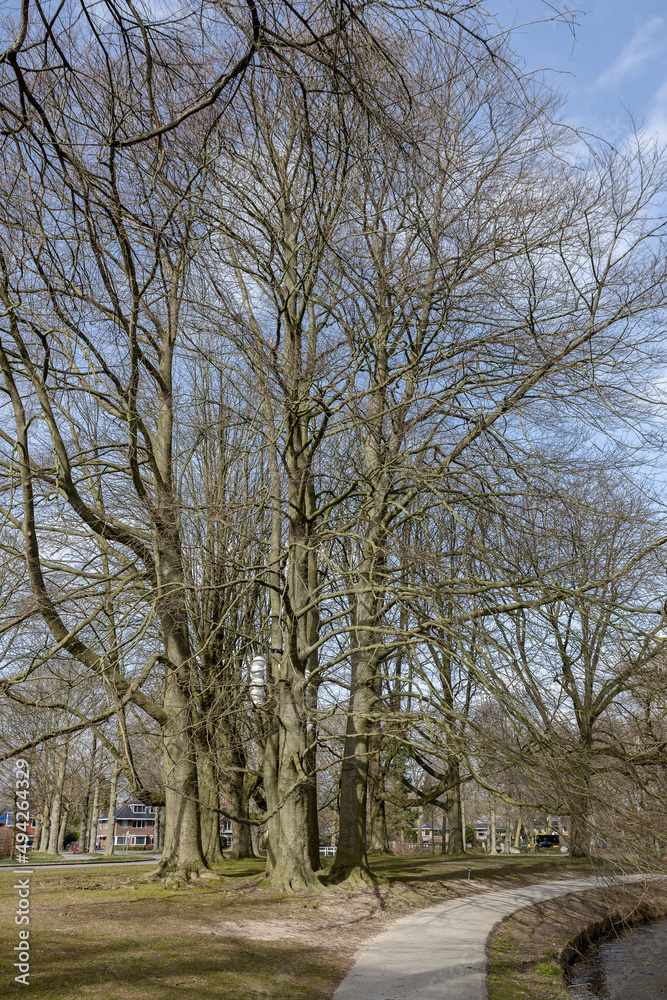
134	827
431	834
7	822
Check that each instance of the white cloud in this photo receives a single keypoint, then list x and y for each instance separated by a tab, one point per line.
646	44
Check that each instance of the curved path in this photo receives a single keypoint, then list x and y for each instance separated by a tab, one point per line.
440	953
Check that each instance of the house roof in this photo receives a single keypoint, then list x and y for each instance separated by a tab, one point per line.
125	811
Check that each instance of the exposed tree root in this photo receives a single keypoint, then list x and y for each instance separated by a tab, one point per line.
177	876
294	881
352	874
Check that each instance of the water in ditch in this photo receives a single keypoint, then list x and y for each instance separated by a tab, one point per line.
630	966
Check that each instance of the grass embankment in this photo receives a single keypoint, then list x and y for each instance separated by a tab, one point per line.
529	952
97	934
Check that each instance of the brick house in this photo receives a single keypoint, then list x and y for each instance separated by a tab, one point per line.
7	823
134	827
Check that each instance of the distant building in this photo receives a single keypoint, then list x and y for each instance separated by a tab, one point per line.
431	834
134	827
7	822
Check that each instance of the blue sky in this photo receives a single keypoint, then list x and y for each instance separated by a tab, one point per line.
616	63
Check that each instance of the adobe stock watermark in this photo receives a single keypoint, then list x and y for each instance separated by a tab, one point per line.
22	885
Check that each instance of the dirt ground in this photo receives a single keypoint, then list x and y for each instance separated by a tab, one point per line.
96	934
527	952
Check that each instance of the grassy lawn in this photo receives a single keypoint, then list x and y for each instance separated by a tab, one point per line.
526	953
97	934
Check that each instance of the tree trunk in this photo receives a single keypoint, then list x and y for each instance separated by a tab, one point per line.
464	838
182	856
580	831
492	828
44	835
159	814
84	828
56	802
255	840
94	816
63	828
351	861
311	771
239	805
288	828
379	836
41	840
111	821
270	772
455	819
210	803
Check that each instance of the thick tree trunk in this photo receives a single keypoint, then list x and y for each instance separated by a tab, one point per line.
160	838
239	805
56	803
270	772
94	816
311	771
290	864
464	834
83	825
111	821
44	836
379	836
579	827
288	830
42	829
455	818
84	828
351	860
64	817
492	828
210	817
182	855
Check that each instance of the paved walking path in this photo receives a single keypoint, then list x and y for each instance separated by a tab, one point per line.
440	953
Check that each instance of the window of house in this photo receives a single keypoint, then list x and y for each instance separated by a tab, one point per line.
120	841
124	822
138	840
139	809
